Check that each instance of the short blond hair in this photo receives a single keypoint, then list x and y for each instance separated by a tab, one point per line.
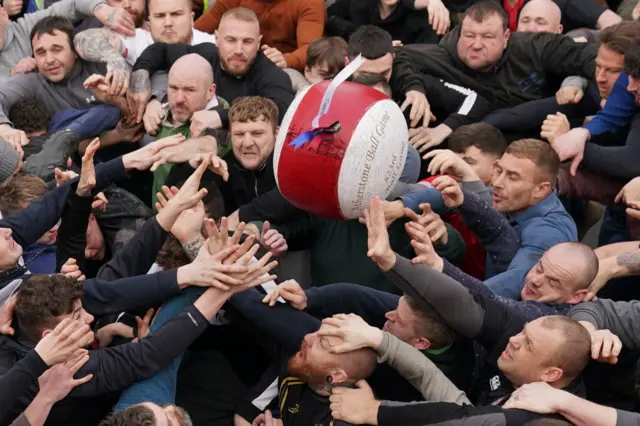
253	108
241	14
542	154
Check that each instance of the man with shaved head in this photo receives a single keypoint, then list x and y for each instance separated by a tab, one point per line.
539	16
191	89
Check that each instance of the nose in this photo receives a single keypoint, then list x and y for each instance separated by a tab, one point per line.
632	86
88	318
168	22
389	315
310	338
477	43
600	76
6	232
515	341
498	180
49	57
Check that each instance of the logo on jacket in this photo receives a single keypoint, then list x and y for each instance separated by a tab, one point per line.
531	83
494	383
91	99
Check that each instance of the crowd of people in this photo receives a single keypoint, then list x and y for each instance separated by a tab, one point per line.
152	273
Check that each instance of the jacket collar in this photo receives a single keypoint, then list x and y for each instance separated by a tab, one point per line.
543	208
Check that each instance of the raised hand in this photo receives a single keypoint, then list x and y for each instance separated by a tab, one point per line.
273	240
446	161
422	245
68	337
58	381
432	223
139	93
71	269
354	332
144	325
451	192
217	165
379	248
145	157
88	173
219	238
153	116
291	292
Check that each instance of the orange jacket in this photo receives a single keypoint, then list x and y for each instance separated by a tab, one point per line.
287	25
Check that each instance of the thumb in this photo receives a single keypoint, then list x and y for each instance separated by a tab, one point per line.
575	163
362	384
266	227
579	96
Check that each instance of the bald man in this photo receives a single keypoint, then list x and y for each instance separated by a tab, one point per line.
540	16
191	90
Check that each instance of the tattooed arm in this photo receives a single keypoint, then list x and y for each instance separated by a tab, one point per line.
105	46
618	265
193	247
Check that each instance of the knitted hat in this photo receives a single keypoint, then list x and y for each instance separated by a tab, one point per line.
9	159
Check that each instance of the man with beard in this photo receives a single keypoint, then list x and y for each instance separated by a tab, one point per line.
305	373
238	66
170	21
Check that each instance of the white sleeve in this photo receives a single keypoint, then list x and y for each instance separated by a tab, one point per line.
134	46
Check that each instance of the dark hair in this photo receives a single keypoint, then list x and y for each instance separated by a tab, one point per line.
136	415
23	189
621	38
172	255
372	80
253	108
44	298
632	63
50	24
331	51
371	42
542	154
483	136
432	326
485	9
573	354
29	116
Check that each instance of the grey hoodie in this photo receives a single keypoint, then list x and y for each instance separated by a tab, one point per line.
17	44
69	93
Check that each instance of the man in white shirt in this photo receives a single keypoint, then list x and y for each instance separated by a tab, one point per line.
170	21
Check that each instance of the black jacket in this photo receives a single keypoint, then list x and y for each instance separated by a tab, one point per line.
263	79
113	369
527	64
404	24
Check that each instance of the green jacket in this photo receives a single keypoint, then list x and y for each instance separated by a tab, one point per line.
339	250
166	130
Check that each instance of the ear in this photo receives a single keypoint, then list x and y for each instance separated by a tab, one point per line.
346	61
542	190
507	34
552	374
339	376
215	33
560	29
276	132
45	333
211	92
260	40
193	15
421	343
577	297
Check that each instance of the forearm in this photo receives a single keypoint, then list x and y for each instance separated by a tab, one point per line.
72	237
614	250
474	285
419	370
582	412
137	256
442	294
38	411
112	137
15	382
496	235
190	148
99	45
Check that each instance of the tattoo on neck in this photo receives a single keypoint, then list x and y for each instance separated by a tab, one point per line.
631	261
140	81
192	248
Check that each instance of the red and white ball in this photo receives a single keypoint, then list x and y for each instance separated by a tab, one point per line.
336	176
